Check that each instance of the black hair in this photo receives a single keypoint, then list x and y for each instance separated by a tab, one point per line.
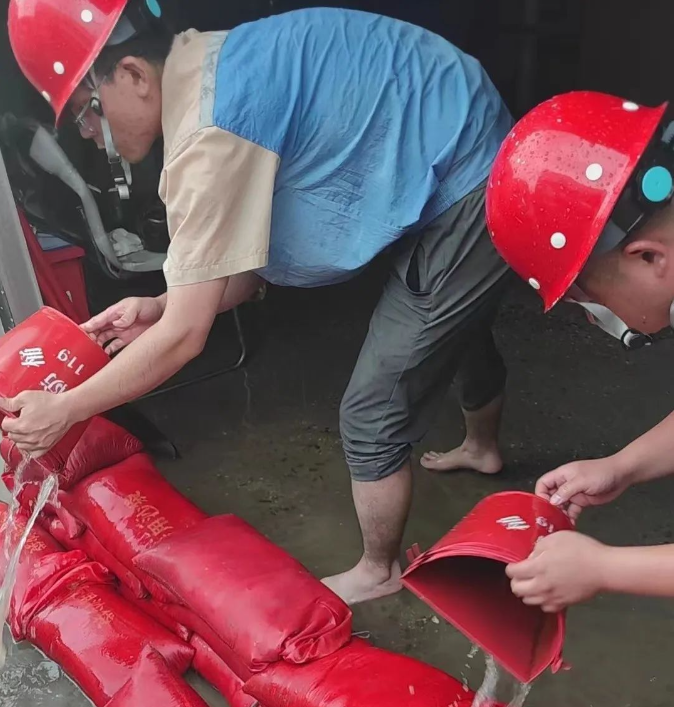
153	45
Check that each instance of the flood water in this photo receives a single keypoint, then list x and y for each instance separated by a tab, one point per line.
499	687
12	549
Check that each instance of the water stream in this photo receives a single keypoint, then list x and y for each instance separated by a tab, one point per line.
12	554
495	679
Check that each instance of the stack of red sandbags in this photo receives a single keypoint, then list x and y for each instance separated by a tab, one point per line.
358	675
70	609
147	571
248	602
154	683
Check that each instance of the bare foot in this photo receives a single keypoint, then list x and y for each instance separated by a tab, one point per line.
365	582
486	461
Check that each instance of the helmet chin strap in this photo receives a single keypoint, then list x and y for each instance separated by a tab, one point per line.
120	168
609	322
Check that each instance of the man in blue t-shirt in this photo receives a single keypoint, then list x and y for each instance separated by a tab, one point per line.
297	149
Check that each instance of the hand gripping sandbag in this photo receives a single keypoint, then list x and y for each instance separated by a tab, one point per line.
48	352
462	577
219	674
154	684
259	601
94	550
97	638
41	564
101	445
358	676
131	508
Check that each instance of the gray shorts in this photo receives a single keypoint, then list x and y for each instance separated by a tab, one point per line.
431	325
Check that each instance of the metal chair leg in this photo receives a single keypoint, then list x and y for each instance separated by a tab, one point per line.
207	376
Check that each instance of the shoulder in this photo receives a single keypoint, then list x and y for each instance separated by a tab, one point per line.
187	83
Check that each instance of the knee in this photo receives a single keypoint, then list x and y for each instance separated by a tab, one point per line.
369	461
369	458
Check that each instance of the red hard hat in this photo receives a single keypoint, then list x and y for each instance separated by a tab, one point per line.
57	41
556	180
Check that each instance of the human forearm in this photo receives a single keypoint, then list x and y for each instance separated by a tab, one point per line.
647	571
651	456
158	353
145	364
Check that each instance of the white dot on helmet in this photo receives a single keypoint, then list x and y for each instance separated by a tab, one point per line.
630	106
534	283
46	96
59	68
87	16
558	240
594	172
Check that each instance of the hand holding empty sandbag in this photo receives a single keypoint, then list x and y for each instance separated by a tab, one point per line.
39	421
124	322
581	484
564	569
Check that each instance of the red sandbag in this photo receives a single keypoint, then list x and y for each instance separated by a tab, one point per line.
152	684
238	664
101	445
27	497
97	637
357	676
157	611
259	601
41	564
130	508
93	549
219	674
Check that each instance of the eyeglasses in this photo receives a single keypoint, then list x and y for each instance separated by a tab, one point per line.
93	105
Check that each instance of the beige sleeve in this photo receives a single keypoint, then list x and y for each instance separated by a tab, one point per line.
218	190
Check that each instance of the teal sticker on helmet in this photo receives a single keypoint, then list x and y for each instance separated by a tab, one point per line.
154	7
657	184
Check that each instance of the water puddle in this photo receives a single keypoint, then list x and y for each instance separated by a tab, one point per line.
13	553
496	683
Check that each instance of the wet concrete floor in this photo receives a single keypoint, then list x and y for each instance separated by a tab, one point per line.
263	442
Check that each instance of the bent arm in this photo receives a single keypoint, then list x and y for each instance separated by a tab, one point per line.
156	355
651	456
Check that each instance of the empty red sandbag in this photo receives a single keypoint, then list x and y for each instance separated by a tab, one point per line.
97	637
48	352
462	577
356	676
41	564
259	601
27	497
101	445
219	674
152	684
93	549
130	508
158	612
